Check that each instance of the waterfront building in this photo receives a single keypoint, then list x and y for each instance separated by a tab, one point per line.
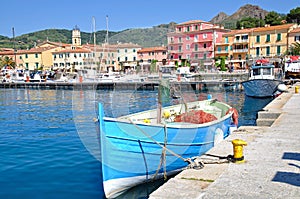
269	42
242	47
234	47
293	37
152	54
194	41
127	55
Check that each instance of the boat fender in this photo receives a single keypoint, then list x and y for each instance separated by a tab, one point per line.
235	115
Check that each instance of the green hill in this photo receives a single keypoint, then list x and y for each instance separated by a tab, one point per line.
147	37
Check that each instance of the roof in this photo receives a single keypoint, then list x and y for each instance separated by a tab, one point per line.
192	22
77	50
151	49
279	27
296	30
35	50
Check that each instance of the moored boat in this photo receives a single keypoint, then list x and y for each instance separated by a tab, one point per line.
262	81
292	67
138	148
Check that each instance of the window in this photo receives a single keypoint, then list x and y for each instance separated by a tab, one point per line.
26	55
257	38
179	29
36	55
297	38
226	48
188	46
36	65
187	38
196	38
134	58
268	50
226	40
133	50
204	56
196	56
204	36
179	40
239	57
196	27
196	47
188	56
268	38
219	49
204	45
179	48
257	51
125	50
279	37
20	57
188	29
27	65
278	50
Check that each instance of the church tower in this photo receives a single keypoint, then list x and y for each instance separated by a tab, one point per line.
76	38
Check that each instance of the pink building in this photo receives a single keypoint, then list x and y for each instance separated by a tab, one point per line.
194	41
152	53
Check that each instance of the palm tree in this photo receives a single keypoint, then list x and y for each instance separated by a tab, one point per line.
295	48
7	61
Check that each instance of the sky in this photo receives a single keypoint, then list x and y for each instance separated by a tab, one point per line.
27	16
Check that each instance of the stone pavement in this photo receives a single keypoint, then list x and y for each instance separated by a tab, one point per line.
271	168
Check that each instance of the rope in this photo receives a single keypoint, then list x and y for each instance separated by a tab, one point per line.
146	166
163	157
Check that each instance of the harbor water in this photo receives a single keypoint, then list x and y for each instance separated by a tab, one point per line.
49	139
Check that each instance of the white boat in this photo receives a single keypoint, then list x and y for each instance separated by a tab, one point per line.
262	81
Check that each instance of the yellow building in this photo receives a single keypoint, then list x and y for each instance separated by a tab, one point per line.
242	47
270	41
234	46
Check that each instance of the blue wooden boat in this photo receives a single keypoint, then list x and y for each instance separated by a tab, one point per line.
137	148
262	81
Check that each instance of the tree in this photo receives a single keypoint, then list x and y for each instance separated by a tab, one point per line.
249	22
273	18
295	48
294	16
6	61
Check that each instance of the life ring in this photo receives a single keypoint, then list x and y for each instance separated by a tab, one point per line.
235	115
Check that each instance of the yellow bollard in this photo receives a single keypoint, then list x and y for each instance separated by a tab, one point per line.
238	150
296	89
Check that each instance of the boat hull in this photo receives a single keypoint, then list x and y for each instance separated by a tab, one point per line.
261	87
133	154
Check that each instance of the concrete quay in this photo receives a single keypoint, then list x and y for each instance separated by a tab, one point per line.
272	160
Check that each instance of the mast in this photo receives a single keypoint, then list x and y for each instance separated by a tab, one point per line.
14	46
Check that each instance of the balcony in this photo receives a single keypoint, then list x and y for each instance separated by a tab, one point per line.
245	50
222	52
241	41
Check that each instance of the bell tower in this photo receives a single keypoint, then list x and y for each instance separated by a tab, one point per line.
76	38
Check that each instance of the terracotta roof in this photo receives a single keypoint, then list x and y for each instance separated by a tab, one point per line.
35	50
151	49
192	22
279	27
259	29
77	50
296	30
